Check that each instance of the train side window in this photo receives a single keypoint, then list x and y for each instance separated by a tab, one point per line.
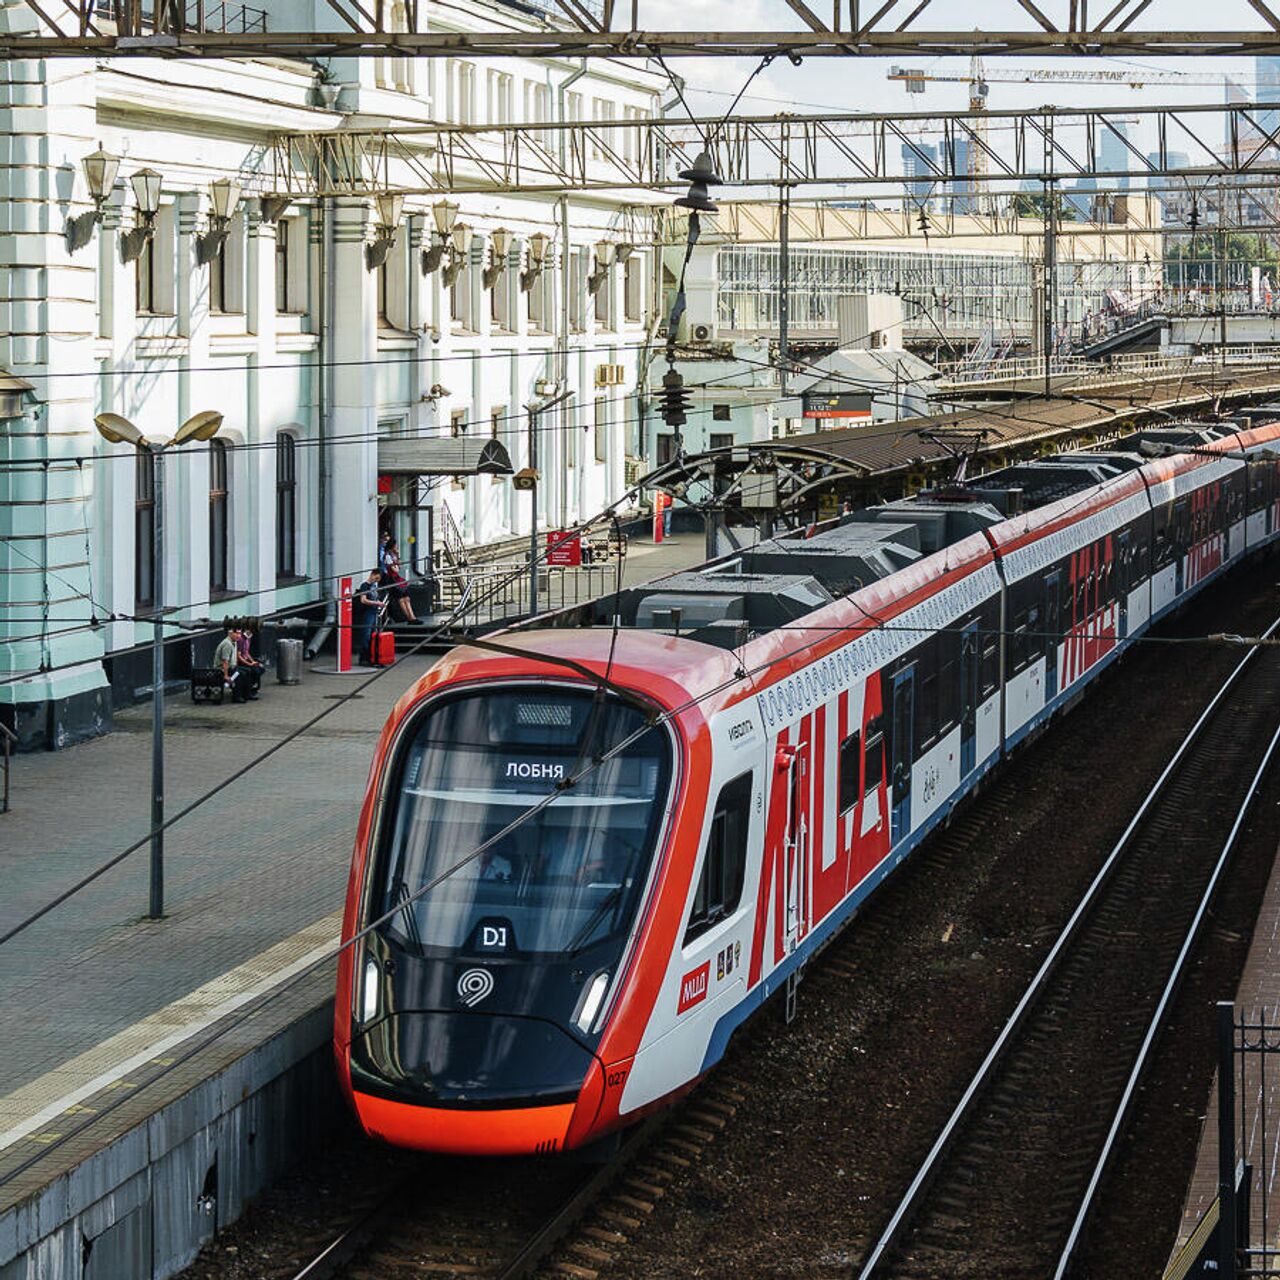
850	769
725	865
875	756
927	711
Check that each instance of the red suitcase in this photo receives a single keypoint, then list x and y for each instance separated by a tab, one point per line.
384	648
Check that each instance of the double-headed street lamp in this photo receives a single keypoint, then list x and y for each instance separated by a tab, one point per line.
117	430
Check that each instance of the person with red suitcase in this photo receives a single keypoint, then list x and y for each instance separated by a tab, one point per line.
367	605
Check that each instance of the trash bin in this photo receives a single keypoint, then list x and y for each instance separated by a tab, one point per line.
289	661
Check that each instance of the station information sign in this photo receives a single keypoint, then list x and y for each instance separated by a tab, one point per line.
564	547
844	404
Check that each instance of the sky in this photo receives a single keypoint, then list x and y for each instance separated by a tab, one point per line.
842	84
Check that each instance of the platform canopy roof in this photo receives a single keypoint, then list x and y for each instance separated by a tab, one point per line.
443	456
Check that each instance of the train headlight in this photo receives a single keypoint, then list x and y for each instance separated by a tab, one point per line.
369	992
592	999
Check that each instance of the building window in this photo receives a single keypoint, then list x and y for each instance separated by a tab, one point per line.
383	301
633	287
286	506
604	304
282	265
602	429
666	448
721	413
541	297
577	290
144	530
145	279
226	273
720	440
218	523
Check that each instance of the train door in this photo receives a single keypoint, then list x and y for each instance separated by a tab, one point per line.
968	698
904	722
1053	633
1180	536
797	847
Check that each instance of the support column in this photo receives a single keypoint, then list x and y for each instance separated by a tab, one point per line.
354	352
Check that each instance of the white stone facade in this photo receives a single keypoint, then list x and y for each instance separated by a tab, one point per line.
287	332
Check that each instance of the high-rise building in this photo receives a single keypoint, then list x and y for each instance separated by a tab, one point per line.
920	162
1114	156
1267	71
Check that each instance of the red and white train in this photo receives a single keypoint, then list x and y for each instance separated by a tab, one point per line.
779	729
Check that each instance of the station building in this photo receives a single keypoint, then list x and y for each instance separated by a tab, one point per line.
319	328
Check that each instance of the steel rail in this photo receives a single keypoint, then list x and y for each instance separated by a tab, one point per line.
909	1203
329	1262
1067	1256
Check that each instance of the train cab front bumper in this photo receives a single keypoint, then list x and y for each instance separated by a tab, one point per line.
506	1131
482	1084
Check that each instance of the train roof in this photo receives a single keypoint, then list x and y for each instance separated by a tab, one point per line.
874	563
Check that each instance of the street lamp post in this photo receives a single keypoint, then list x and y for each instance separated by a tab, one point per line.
117	430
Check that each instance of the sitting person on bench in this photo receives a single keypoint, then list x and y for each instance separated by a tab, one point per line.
247	665
226	660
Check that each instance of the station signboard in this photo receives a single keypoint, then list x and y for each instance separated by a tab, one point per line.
842	405
564	547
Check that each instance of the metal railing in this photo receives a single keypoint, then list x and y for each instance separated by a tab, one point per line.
7	739
498	592
1247	1210
138	17
1116	369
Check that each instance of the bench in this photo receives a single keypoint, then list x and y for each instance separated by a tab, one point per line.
207	684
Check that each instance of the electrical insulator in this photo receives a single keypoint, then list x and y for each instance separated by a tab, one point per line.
675	399
1194	220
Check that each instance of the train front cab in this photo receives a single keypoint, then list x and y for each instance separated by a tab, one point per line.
475	1011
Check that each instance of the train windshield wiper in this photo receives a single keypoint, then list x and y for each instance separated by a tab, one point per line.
401	897
606	904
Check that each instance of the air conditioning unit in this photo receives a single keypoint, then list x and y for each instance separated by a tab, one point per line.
701	333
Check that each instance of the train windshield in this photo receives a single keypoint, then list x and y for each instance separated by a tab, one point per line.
565	878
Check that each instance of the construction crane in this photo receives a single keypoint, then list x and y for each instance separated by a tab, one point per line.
915	79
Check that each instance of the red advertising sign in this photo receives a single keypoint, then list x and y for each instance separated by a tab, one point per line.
693	987
344	624
385	484
564	547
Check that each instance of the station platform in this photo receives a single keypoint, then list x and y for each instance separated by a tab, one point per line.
144	1094
1257	997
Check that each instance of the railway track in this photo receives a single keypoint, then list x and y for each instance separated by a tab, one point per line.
574	1235
1009	1184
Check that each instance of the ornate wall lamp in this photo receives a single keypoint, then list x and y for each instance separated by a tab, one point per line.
146	191
604	260
459	252
445	213
539	243
224	197
499	245
390	206
100	171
